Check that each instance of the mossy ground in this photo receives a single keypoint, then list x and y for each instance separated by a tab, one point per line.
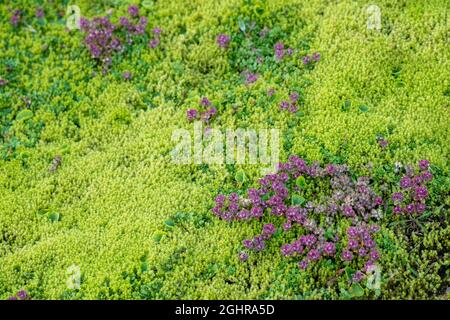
117	187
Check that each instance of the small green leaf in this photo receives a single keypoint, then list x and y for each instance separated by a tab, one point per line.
301	182
240	176
297	200
54	216
24	115
356	290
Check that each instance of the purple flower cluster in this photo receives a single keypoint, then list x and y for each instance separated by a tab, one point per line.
205	116
39	13
360	243
223	40
353	200
290	105
411	199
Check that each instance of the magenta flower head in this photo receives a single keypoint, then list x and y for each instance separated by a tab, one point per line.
405	182
420	208
153	43
248	243
329	248
22	295
383	143
294	97
427	176
410	208
424	164
358	276
284	105
303	264
191	114
212	111
268	229
157	31
397	197
39	13
313	255
143	21
306	59
398	209
126	75
316	56
421	193
251	77
223	40
243	256
205	102
278	46
271	92
378	201
3	82
133	11
15	18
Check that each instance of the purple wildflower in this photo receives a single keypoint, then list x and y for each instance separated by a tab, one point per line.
398	209
421	193
39	13
294	97
405	182
157	31
329	248
410	208
126	75
22	294
205	102
271	92
251	77
191	114
420	208
306	59
397	197
284	105
357	277
153	43
313	255
383	143
268	229
303	264
243	256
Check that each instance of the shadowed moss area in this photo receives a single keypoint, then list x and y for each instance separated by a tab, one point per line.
140	226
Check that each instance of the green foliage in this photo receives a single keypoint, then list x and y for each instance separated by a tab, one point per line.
139	226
